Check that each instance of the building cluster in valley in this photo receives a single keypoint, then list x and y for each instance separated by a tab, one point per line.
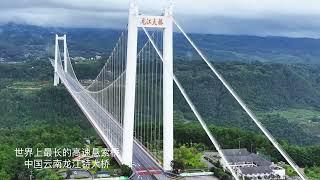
249	165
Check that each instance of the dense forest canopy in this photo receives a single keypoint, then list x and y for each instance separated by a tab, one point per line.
274	91
25	42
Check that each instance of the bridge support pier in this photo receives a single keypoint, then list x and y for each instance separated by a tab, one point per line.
130	91
56	79
65	54
56	56
168	91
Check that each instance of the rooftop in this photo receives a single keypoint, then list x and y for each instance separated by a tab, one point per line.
256	170
243	156
236	152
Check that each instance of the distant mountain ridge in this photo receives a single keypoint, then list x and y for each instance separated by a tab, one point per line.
25	42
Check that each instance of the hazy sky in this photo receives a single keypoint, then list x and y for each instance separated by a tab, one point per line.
300	18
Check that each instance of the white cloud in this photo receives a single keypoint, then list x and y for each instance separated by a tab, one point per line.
248	7
259	17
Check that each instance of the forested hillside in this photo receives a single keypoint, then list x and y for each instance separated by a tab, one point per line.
252	48
24	42
36	114
285	97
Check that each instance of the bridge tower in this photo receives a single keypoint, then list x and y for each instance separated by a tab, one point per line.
164	22
168	89
56	56
130	91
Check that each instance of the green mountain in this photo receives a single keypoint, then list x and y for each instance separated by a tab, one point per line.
36	114
286	97
24	42
253	48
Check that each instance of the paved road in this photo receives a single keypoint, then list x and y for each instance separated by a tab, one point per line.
144	166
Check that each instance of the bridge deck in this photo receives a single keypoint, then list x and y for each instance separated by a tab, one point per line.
144	166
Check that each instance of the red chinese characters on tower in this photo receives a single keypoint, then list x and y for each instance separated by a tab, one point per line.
143	21
152	21
160	22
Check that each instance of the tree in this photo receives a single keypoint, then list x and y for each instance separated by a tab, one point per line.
190	157
177	166
220	173
4	175
125	170
226	177
48	174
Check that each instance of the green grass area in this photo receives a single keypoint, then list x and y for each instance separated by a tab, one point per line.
300	115
307	118
290	171
313	173
28	86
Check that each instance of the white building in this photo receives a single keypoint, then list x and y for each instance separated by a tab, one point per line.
252	166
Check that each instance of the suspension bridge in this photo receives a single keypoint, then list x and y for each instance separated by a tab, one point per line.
130	102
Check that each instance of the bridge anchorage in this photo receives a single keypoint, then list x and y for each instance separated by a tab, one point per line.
130	102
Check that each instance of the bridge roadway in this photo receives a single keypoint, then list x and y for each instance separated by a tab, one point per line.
144	166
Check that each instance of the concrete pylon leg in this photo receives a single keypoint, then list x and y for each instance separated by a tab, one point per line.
56	79
130	91
168	91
